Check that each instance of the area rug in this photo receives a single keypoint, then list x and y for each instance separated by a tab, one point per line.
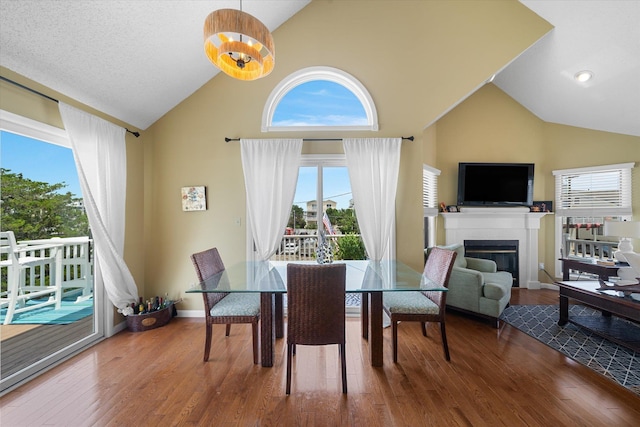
70	311
605	357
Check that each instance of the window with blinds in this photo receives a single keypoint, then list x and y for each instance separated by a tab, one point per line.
430	190
594	191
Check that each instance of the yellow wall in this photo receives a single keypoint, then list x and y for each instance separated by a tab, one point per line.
491	127
417	59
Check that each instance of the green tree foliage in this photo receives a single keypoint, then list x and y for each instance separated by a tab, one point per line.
296	218
351	247
35	210
344	219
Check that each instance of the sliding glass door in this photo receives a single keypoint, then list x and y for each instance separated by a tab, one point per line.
42	207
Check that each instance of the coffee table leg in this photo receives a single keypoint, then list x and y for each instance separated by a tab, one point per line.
564	311
267	335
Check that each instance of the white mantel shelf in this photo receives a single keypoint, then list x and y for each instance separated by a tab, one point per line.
500	224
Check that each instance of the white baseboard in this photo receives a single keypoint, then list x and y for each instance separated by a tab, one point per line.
190	313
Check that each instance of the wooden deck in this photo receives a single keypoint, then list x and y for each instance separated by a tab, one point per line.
23	345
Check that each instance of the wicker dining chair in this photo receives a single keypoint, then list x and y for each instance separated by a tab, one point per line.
316	310
423	306
225	308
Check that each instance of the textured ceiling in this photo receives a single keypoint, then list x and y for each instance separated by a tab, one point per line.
136	60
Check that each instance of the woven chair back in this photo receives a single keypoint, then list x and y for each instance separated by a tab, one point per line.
438	270
207	264
316	304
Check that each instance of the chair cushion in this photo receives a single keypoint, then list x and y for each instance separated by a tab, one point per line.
238	304
410	302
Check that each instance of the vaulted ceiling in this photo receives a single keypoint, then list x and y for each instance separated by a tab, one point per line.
136	60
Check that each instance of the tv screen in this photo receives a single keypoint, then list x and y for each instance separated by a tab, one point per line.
495	184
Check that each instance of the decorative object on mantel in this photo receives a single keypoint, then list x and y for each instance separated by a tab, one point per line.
239	44
194	198
452	208
324	254
542	206
625	230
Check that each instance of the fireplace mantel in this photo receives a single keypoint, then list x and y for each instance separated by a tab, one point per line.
500	224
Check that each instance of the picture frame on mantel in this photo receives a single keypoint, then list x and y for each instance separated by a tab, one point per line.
542	206
194	198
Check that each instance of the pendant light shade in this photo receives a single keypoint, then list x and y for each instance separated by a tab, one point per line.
239	44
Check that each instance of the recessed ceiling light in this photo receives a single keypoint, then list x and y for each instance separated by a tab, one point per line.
583	76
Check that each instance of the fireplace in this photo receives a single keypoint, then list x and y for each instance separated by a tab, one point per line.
516	224
503	252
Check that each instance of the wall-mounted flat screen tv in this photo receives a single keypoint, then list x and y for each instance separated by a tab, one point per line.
495	184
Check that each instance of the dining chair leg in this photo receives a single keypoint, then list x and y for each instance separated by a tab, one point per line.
424	328
394	334
444	341
343	359
207	341
289	354
228	329
254	328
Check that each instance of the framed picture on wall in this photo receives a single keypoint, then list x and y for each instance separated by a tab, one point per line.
542	206
194	198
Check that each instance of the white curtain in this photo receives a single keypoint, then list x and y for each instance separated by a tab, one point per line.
373	169
270	175
100	155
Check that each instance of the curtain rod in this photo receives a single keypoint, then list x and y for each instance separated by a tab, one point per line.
410	138
136	134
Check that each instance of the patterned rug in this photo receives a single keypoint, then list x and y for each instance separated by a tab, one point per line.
611	360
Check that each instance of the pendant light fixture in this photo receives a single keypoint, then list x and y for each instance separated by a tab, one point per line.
239	44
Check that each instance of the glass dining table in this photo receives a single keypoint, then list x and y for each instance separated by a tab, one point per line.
269	278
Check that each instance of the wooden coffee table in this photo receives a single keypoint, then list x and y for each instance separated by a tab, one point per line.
584	291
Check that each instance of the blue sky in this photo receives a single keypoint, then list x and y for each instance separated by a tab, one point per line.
336	182
319	103
39	161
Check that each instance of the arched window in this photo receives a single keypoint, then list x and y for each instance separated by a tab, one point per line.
319	98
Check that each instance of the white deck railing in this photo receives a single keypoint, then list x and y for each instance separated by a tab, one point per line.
301	247
592	249
76	263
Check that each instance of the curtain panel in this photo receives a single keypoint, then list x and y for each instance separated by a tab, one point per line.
270	169
100	155
373	165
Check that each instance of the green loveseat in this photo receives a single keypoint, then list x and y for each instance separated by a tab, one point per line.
477	287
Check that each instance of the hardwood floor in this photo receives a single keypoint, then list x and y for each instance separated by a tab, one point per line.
495	377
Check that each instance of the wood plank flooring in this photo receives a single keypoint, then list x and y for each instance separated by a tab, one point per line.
496	377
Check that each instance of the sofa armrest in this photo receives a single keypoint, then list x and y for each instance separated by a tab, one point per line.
483	265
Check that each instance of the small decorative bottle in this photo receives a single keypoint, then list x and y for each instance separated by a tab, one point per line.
324	254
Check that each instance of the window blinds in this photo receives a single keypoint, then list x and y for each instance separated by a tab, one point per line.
430	190
594	191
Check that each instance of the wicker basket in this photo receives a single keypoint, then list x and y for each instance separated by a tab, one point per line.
146	321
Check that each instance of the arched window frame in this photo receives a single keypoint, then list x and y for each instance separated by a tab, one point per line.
313	74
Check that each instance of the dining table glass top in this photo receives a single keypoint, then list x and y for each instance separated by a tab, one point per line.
271	277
